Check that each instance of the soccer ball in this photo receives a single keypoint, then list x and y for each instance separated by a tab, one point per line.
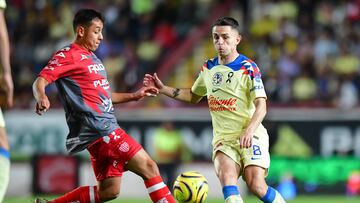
190	187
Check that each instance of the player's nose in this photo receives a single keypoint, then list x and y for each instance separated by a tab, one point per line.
220	40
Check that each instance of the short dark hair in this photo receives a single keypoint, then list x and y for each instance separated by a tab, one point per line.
224	21
85	16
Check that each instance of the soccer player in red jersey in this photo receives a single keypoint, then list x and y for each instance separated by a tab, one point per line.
88	102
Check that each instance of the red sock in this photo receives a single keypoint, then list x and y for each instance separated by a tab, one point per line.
85	194
158	191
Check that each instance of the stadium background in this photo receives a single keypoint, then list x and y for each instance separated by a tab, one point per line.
308	52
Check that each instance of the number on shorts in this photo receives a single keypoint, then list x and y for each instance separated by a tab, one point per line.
256	150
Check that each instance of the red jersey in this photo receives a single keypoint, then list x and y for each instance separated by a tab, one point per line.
85	94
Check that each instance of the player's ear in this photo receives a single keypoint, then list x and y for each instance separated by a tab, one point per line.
80	31
238	39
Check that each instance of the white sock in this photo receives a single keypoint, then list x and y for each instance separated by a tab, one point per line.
278	198
272	196
234	199
4	175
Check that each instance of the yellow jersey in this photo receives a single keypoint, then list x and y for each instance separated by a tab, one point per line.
230	90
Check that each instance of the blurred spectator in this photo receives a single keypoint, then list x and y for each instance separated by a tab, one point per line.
346	63
165	35
324	48
169	150
148	52
348	95
142	6
304	87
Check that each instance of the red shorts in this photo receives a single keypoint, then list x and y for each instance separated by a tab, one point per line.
110	154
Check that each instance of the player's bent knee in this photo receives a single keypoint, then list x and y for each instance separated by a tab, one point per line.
143	165
257	188
108	195
151	169
227	177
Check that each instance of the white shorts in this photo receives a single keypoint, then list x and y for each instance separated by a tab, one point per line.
257	155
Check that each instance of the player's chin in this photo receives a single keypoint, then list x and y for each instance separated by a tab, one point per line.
96	46
221	51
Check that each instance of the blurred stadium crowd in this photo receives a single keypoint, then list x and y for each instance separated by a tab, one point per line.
308	51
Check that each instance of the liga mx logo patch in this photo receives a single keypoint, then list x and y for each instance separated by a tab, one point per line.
217	79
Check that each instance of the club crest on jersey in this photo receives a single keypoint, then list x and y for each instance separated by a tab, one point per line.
124	147
217	79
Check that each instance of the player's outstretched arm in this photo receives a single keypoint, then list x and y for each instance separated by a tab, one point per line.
6	81
256	119
42	101
181	94
135	96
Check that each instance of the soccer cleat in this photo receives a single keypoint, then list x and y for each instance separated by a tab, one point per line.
40	200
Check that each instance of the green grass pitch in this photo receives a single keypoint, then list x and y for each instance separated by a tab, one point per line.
300	199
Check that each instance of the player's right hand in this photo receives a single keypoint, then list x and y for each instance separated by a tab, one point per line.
145	92
246	140
42	105
153	81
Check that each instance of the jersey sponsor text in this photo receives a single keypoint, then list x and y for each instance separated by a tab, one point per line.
216	104
96	68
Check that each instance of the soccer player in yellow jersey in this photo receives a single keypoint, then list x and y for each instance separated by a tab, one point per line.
6	100
237	102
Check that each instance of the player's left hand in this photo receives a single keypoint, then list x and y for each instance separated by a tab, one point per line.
246	140
42	105
146	92
153	81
